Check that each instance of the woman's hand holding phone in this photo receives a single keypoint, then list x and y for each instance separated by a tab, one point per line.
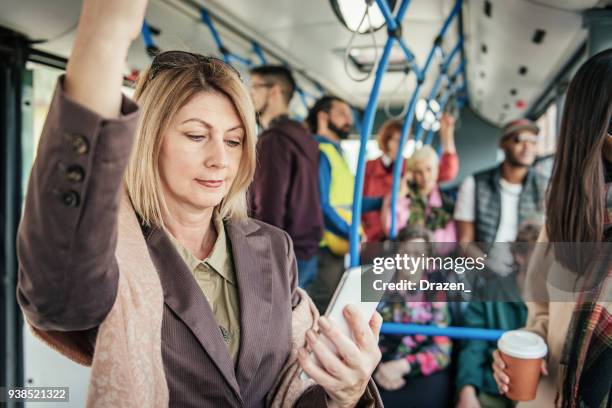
344	372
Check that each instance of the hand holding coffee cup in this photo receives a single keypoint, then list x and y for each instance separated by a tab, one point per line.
518	363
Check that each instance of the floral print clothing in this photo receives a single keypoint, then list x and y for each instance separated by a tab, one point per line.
426	354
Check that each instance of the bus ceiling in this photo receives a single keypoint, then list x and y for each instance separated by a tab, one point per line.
516	52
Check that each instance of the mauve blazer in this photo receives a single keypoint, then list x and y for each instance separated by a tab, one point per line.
68	273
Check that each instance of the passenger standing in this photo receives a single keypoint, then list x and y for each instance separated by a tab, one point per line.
493	203
421	203
414	368
147	267
285	190
578	330
330	119
475	385
379	172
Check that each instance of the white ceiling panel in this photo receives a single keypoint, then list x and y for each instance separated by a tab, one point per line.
507	35
40	19
313	38
307	35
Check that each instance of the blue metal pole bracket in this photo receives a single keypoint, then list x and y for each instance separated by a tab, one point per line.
147	38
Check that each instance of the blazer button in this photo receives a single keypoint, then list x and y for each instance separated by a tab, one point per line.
75	173
71	198
79	144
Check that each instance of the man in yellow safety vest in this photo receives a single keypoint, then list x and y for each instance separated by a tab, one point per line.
331	119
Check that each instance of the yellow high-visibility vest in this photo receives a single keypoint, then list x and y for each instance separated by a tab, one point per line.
341	188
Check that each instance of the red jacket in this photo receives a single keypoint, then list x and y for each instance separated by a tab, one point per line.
378	182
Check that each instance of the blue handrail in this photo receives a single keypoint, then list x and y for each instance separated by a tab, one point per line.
452	90
408	119
442	76
356	120
394	29
147	37
366	128
259	52
410	59
213	32
466	333
230	57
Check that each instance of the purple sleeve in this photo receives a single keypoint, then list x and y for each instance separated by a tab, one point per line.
68	273
271	183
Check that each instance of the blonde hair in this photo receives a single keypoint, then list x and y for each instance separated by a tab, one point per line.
162	90
424	153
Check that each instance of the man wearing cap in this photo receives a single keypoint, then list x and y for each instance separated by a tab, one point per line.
492	204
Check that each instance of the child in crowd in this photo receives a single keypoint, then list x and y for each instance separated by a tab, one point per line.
414	368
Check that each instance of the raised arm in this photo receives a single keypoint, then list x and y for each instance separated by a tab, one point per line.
449	161
94	72
66	241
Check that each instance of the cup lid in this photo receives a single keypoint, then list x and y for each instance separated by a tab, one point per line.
522	344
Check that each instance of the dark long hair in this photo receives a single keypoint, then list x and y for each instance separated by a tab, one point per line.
576	202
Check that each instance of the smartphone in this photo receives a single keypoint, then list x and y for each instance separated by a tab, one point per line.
348	292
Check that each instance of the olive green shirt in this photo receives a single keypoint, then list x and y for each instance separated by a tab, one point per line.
216	277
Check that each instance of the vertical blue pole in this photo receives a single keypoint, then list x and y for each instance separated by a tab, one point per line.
432	95
399	159
356	120
397	167
429	137
366	129
420	130
438	83
147	38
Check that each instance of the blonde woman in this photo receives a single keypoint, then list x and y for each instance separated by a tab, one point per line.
420	201
137	255
379	172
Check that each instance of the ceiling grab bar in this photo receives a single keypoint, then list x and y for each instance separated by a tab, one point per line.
349	47
451	92
442	76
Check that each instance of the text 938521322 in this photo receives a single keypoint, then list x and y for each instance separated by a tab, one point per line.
34	394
